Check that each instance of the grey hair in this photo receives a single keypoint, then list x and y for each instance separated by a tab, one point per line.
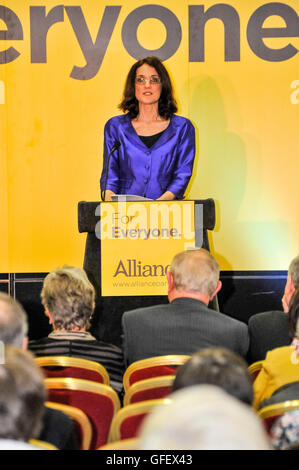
13	321
203	417
195	271
22	395
294	271
69	296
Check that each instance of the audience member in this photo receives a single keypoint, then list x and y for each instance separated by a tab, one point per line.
22	397
285	431
69	300
281	366
269	330
219	367
203	417
13	322
186	324
57	428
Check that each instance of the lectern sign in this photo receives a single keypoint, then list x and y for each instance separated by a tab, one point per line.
138	242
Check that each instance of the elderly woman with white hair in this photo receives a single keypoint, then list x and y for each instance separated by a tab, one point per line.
203	417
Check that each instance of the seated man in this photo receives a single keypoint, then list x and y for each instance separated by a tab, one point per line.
186	324
68	299
220	367
269	330
22	398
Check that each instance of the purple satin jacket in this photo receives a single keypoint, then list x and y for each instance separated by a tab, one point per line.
149	172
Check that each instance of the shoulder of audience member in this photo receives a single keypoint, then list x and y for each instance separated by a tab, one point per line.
110	346
234	321
266	316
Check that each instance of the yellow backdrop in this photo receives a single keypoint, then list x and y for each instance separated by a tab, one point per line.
245	113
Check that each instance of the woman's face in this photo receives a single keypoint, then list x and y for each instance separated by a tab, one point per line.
147	85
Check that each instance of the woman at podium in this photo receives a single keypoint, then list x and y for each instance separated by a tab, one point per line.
149	150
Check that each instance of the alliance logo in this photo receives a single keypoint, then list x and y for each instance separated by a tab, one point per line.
134	268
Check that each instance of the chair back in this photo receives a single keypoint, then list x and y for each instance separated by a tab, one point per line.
269	414
82	424
152	367
125	444
77	368
42	444
149	389
255	368
127	421
98	401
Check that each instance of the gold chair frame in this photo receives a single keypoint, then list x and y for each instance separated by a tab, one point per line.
65	361
42	444
131	410
278	409
168	360
68	383
255	367
155	382
84	386
125	444
77	415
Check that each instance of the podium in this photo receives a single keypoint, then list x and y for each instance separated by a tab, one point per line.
106	322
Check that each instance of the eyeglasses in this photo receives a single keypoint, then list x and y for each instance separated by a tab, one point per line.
151	80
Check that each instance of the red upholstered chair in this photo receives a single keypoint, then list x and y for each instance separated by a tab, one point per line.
149	389
269	414
152	367
77	368
98	401
127	421
82	424
255	368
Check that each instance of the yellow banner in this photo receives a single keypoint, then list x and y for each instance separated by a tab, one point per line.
138	242
234	65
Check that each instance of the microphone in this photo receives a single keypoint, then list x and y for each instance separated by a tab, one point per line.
116	146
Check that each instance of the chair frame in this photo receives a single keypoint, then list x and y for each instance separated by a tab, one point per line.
68	383
278	409
147	384
124	444
66	361
255	367
128	411
77	415
42	444
168	360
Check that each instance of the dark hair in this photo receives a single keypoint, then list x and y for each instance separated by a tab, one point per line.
293	314
220	367
167	103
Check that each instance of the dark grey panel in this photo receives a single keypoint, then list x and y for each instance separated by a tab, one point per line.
27	292
245	293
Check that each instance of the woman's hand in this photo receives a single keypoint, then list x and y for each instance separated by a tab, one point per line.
108	194
167	196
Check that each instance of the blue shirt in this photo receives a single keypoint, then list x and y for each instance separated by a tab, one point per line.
136	169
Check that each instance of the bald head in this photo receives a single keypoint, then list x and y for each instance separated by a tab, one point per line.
294	271
291	284
196	272
13	321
